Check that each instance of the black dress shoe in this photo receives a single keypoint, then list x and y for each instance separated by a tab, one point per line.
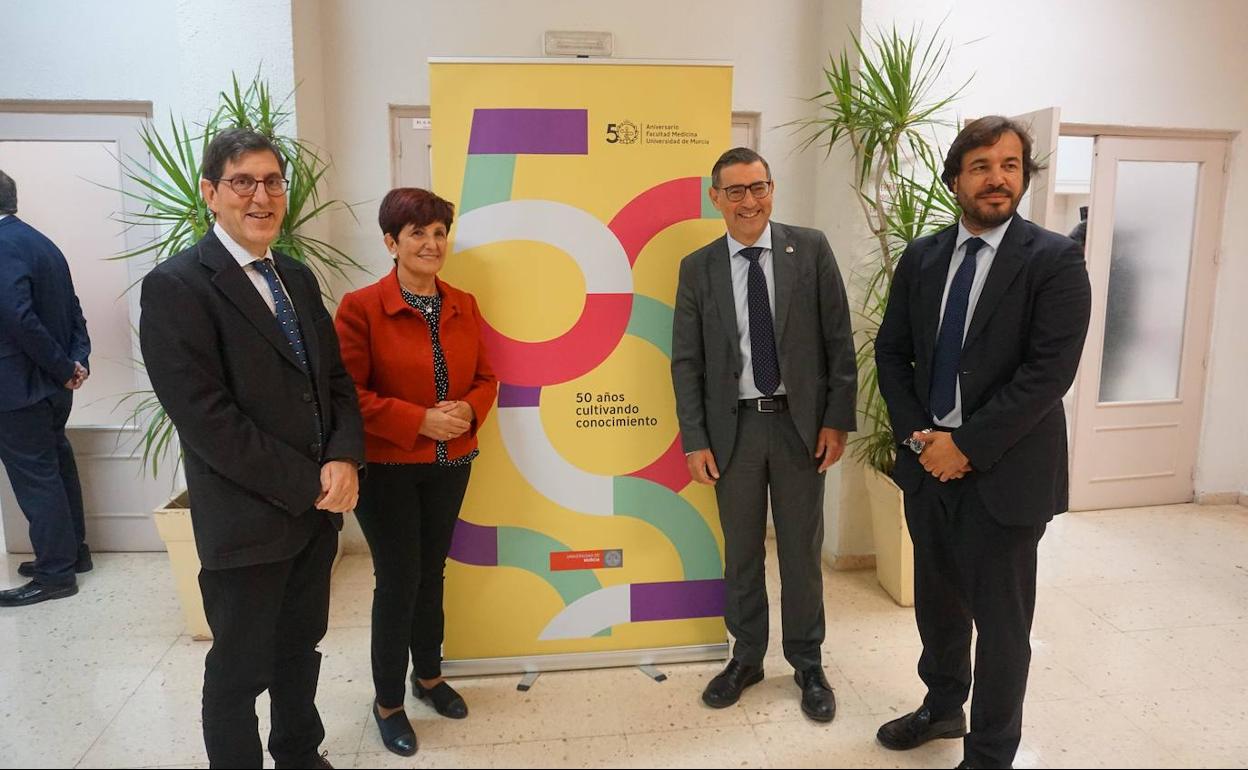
918	727
445	700
396	732
818	700
35	592
84	563
725	689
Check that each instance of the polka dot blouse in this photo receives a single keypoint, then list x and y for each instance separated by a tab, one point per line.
431	308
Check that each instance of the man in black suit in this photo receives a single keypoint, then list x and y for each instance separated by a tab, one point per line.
43	360
244	358
764	373
981	338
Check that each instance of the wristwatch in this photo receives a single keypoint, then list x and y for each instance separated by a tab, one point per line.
915	445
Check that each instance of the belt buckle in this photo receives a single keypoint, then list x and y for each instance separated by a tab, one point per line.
763	405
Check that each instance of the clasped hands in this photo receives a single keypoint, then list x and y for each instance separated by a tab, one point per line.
81	373
446	420
941	456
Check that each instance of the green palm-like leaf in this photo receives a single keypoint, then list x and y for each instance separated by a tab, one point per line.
885	109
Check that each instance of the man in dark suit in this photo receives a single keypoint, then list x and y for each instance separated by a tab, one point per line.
764	373
43	360
981	338
244	358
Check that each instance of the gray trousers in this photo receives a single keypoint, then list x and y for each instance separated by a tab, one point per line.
770	457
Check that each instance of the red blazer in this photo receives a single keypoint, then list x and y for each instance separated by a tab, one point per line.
388	351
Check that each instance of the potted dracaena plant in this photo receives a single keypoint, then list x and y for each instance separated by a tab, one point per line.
168	201
886	110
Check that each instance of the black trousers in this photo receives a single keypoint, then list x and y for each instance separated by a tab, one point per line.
408	514
266	622
40	464
970	570
771	459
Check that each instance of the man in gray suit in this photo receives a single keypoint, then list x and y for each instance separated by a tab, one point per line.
764	372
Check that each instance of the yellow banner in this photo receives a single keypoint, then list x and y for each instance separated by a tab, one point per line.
579	188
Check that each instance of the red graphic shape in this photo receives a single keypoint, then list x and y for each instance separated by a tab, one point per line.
588	343
654	210
670	470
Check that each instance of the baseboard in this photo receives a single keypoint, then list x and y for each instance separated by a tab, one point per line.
852	561
1221	498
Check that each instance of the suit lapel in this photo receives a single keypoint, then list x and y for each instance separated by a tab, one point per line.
784	273
1005	266
230	280
721	288
934	273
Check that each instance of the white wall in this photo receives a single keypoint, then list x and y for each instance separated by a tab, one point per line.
176	55
1127	62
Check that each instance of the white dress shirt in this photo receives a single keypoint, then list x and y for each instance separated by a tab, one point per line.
247	261
746	388
983	263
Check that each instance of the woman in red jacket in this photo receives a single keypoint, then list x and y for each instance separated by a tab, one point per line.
412	343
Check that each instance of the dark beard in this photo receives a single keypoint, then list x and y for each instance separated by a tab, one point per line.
987	218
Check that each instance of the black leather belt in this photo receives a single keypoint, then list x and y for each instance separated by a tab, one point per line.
766	405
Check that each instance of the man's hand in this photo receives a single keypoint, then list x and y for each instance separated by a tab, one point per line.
441	425
702	467
340	486
941	456
830	446
81	373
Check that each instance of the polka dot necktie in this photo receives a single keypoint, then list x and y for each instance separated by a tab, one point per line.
948	357
762	332
286	318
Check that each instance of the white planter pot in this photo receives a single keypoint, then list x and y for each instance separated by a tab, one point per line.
173	522
894	551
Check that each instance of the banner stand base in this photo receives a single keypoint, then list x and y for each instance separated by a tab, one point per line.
575	661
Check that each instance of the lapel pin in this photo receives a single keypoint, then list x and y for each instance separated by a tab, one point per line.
788	249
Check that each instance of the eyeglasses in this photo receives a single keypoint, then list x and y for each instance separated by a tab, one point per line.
245	186
736	192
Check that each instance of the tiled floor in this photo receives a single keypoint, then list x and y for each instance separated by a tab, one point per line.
1141	660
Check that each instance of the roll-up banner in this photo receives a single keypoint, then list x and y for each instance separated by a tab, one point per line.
579	187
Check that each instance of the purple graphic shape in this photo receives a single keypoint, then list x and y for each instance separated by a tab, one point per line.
474	544
529	132
518	395
678	600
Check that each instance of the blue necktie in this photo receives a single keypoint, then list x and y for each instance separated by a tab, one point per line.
286	318
943	395
762	333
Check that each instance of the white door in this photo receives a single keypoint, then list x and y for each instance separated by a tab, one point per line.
1153	232
411	133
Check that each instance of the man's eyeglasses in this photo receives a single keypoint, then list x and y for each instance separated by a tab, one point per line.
736	192
245	186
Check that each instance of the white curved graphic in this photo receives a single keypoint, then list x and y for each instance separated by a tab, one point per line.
591	613
597	251
546	470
